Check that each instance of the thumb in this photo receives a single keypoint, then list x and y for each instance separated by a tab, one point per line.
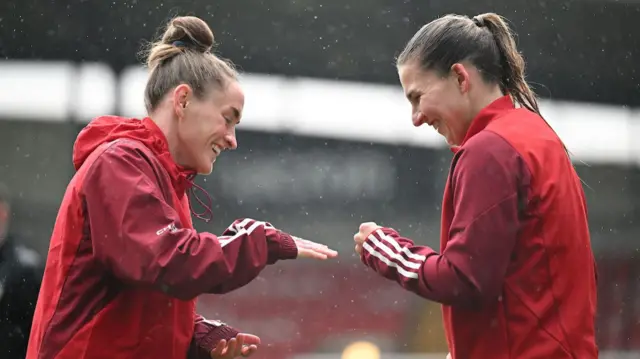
367	227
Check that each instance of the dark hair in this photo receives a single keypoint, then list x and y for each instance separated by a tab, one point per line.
183	56
486	41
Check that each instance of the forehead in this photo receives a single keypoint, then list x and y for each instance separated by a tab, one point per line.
414	78
230	95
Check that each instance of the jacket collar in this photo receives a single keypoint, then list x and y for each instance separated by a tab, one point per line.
485	117
181	178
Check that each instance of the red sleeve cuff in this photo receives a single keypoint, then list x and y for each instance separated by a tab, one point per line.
282	248
209	342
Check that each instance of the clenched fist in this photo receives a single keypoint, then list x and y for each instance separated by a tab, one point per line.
364	232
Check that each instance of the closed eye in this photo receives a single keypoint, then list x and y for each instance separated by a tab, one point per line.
413	97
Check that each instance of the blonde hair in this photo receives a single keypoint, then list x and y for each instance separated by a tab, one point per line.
183	56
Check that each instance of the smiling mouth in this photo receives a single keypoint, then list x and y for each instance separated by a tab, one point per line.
216	152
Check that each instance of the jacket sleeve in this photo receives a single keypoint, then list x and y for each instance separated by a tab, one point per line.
206	334
489	181
139	237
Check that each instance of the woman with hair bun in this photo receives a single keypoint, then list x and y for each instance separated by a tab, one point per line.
125	263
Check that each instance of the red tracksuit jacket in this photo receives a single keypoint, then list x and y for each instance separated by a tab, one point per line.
515	273
125	263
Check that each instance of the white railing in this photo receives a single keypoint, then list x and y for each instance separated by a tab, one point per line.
58	91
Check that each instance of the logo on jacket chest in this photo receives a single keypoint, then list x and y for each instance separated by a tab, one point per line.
170	228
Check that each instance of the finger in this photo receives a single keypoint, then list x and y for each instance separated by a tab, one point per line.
309	244
309	249
306	241
367	226
217	351
330	253
231	348
250	339
239	345
248	351
323	248
366	229
359	248
309	253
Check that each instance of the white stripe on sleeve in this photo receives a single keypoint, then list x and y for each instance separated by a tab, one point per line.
385	260
394	255
399	248
240	230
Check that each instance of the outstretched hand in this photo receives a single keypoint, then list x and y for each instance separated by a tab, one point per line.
243	345
309	249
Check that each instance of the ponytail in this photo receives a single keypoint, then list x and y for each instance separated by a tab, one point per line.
513	81
486	41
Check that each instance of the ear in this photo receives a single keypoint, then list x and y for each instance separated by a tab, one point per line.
181	95
461	77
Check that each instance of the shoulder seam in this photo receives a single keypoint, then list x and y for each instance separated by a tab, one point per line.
502	138
526	163
107	147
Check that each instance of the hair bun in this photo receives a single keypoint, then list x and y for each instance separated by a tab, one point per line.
478	20
190	32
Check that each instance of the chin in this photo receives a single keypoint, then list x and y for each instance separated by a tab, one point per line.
205	168
206	171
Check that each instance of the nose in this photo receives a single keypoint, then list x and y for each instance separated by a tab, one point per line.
231	141
418	118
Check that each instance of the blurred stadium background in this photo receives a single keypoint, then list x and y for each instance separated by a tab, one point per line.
326	143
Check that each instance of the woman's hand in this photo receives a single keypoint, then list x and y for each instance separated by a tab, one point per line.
309	249
243	345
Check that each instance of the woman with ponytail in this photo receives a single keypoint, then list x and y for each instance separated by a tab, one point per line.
515	271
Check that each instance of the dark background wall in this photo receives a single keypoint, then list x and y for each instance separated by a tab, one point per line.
584	50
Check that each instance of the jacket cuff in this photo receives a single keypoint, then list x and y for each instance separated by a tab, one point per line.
209	342
283	247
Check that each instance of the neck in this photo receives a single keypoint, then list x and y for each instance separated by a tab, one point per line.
485	98
478	101
167	125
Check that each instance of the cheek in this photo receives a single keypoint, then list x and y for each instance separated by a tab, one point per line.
193	139
443	108
430	108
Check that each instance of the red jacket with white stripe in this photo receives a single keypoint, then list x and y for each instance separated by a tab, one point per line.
515	272
125	263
